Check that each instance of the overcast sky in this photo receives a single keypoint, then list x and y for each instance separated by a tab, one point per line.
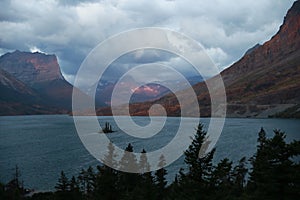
71	29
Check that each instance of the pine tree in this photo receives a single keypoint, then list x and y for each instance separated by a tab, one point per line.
74	184
128	161
146	188
199	167
195	183
173	188
221	175
144	166
91	178
274	175
160	178
221	180
82	180
86	181
127	182
107	177
239	177
14	188
63	183
109	158
62	187
74	189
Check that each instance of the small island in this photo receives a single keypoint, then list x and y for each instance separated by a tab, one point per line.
107	128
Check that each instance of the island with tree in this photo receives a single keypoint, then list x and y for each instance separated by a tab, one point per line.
107	128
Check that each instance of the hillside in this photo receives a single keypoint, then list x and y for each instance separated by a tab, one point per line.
264	82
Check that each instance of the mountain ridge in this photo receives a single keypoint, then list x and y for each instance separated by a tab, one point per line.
265	81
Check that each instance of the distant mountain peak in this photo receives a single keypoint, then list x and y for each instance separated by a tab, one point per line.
31	68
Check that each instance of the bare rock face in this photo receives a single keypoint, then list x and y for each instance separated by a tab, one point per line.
32	83
31	68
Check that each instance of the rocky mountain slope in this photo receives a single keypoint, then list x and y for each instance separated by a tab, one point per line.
31	83
31	68
267	78
264	82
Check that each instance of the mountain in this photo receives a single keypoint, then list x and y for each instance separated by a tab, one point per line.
9	82
31	68
141	91
12	90
31	83
18	99
264	82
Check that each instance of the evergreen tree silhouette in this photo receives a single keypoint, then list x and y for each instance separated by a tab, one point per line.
221	179
146	188
63	183
62	187
107	177
196	182
127	182
14	188
160	178
144	166
239	177
274	175
75	193
129	160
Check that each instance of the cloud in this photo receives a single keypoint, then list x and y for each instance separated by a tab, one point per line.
71	29
218	56
34	49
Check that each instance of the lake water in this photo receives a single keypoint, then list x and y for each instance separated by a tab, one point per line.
44	145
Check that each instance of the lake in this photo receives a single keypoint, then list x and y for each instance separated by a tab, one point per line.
43	145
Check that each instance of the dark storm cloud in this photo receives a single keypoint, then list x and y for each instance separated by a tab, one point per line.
71	29
133	59
149	56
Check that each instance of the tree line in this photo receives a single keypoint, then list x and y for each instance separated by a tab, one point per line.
274	173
